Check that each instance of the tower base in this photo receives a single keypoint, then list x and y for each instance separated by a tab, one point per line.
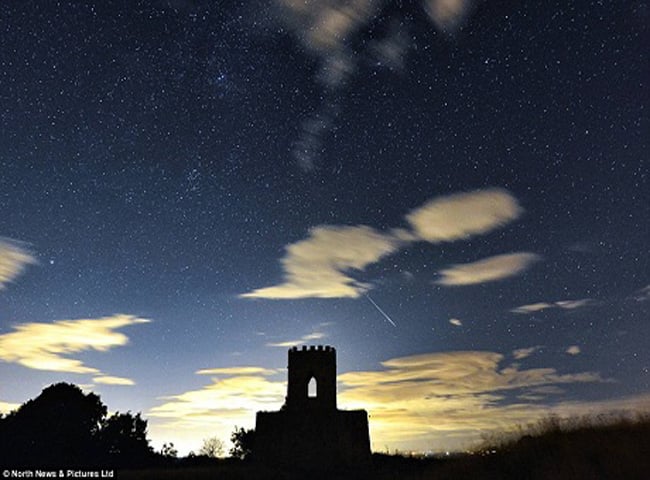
313	439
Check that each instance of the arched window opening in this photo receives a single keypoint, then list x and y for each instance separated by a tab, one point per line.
312	388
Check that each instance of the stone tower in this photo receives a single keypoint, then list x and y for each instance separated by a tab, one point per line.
310	431
316	365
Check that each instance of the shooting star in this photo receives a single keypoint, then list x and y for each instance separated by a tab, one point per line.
390	320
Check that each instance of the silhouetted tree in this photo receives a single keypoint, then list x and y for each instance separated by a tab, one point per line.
123	439
212	447
63	427
242	441
58	427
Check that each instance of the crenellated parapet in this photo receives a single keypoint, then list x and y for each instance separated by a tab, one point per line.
311	348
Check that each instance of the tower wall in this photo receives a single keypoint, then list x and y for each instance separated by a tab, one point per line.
307	363
320	440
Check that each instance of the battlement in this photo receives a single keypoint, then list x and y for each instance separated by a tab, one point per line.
311	348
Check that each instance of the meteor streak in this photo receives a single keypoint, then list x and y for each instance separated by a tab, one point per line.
390	320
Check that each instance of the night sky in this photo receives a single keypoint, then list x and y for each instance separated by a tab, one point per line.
454	194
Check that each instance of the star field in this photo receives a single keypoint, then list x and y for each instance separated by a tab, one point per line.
400	180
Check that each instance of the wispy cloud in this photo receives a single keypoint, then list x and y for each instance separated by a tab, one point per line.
320	266
522	353
390	51
447	399
13	260
328	29
232	399
643	295
236	371
47	346
461	372
316	267
421	402
325	28
111	380
573	304
538	394
533	307
447	14
563	304
304	339
489	269
573	350
462	215
228	393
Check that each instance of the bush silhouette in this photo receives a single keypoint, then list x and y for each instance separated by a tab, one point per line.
243	441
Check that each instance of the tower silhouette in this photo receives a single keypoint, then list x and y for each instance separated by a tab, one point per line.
316	365
310	431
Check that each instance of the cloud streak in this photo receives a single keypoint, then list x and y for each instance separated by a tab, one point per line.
488	269
563	304
573	350
522	353
232	398
445	400
235	371
47	346
447	14
316	267
320	266
304	339
111	380
229	392
13	260
642	295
